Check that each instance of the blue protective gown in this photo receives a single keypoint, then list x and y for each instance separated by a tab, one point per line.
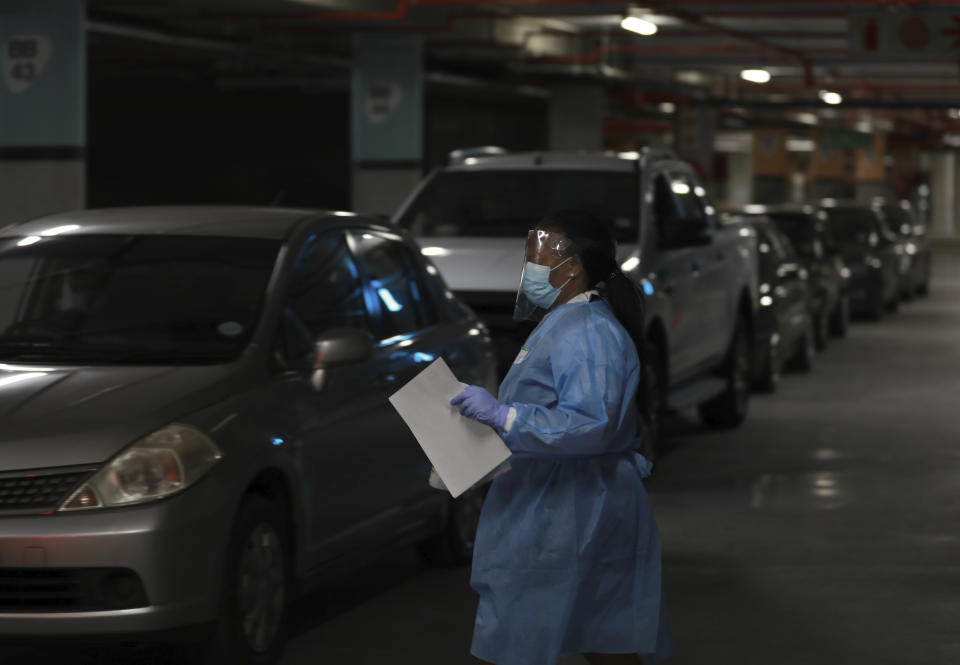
567	555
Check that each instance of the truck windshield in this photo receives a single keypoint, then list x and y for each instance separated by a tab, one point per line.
509	203
131	299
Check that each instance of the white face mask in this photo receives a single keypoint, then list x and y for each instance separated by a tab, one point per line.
535	284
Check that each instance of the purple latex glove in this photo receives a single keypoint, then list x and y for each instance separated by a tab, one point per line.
477	403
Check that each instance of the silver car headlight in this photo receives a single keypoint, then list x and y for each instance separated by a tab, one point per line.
161	464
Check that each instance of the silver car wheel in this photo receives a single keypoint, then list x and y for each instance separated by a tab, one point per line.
261	587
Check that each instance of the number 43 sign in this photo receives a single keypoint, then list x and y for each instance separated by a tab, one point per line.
24	59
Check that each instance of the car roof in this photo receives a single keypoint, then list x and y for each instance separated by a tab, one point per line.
590	161
222	221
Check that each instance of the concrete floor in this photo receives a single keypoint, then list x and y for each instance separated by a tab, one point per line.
826	530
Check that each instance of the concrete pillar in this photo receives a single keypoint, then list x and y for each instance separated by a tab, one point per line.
42	108
575	117
771	166
739	178
943	199
870	174
386	120
831	168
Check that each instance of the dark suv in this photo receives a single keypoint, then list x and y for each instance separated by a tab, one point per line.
829	276
870	252
917	255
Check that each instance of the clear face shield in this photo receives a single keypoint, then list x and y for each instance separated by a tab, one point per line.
545	253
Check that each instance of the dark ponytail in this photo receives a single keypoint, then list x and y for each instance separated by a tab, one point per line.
593	242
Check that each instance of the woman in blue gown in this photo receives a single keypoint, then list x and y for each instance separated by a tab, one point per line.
567	553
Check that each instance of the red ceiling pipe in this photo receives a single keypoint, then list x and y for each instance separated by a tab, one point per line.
397	14
697	20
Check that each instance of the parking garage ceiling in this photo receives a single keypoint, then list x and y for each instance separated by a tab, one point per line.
901	59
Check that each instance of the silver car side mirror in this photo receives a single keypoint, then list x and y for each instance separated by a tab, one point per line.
339	346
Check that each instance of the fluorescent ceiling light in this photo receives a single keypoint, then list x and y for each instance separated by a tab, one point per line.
435	251
638	25
830	97
691	77
755	75
800	145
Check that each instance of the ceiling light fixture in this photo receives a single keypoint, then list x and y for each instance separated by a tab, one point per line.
638	25
830	97
755	75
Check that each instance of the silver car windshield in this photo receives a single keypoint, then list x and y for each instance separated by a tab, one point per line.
131	299
509	203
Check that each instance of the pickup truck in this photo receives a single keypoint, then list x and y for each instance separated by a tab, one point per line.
698	276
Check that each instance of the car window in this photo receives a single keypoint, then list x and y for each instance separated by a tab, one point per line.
675	198
767	248
854	225
665	208
14	273
783	246
797	226
396	289
326	290
130	299
688	202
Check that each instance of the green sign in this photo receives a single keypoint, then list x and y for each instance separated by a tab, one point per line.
42	95
844	139
387	98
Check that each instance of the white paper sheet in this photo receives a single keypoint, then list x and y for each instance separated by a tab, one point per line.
462	450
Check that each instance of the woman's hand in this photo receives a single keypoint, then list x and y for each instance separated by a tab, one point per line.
475	402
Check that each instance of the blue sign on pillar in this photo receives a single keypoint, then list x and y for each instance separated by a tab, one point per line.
387	99
43	60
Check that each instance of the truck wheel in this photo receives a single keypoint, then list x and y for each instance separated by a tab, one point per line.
252	621
840	319
730	407
454	545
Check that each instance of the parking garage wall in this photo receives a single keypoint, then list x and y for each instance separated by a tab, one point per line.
173	139
166	140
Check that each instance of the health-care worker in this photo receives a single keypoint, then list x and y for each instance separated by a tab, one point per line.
567	553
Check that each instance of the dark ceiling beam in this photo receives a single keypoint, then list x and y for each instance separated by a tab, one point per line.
808	104
742	35
138	32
